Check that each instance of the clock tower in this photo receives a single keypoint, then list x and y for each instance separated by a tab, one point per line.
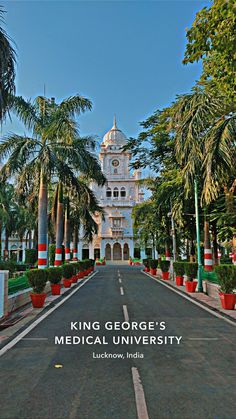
115	234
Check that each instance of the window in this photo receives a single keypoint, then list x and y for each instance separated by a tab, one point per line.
116	222
115	171
108	193
122	192
116	193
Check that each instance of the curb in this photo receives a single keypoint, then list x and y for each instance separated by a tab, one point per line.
44	313
214	311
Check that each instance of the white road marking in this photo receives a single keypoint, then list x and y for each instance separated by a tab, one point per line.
139	395
120	280
203	339
214	313
126	315
34	338
122	290
25	332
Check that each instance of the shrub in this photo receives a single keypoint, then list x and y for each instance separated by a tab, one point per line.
153	263
191	270
165	265
52	249
226	275
8	265
179	268
37	279
31	256
225	259
54	275
67	270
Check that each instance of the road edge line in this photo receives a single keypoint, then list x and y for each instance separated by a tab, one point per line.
197	303
25	332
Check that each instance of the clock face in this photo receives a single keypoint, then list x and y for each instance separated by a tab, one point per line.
115	163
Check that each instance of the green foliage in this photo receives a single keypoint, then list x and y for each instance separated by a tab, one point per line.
212	39
165	265
52	250
226	275
37	279
17	284
191	269
153	263
179	268
31	256
8	266
54	275
67	270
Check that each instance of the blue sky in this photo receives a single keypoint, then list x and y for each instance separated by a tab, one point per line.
123	55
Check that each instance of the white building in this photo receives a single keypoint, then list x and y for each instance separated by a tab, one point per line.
115	239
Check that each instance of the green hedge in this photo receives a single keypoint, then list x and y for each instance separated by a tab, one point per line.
226	275
179	268
18	284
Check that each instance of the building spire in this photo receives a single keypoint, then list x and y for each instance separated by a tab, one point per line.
114	122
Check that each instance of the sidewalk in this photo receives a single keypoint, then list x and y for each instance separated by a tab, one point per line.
22	317
212	303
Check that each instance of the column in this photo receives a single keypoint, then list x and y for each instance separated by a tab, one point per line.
91	251
80	246
4	293
143	254
102	249
131	248
122	251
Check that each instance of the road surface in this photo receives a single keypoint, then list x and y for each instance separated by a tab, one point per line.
192	379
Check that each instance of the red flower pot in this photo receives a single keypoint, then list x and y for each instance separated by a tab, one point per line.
145	269
80	275
74	279
228	301
179	280
191	286
38	300
66	282
165	275
104	263
148	269
56	289
153	271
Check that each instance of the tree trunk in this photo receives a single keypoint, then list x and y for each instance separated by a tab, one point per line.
207	248
6	251
215	244
67	232
75	243
42	223
59	227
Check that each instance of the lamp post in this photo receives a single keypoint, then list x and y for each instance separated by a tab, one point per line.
199	276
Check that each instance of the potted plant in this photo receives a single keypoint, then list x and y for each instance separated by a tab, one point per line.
146	265
67	272
74	278
191	272
179	270
226	275
130	261
37	279
54	276
153	265
165	265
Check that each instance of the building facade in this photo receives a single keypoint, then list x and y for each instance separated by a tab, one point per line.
115	239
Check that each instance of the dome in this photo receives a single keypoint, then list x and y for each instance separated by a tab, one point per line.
114	136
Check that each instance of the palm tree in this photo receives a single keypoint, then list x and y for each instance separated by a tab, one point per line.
7	69
55	151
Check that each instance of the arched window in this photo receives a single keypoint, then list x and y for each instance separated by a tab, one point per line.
108	193
123	192
116	193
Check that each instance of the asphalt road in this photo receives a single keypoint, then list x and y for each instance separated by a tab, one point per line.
194	379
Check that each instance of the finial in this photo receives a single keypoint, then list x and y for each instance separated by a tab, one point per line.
114	122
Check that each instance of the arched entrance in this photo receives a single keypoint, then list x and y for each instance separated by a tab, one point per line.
108	251
126	251
117	255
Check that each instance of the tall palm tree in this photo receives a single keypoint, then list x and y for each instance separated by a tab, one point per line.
54	151
7	69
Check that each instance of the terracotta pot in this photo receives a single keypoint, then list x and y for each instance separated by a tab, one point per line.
165	275
191	286
228	301
179	280
153	271
56	289
66	282
37	300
